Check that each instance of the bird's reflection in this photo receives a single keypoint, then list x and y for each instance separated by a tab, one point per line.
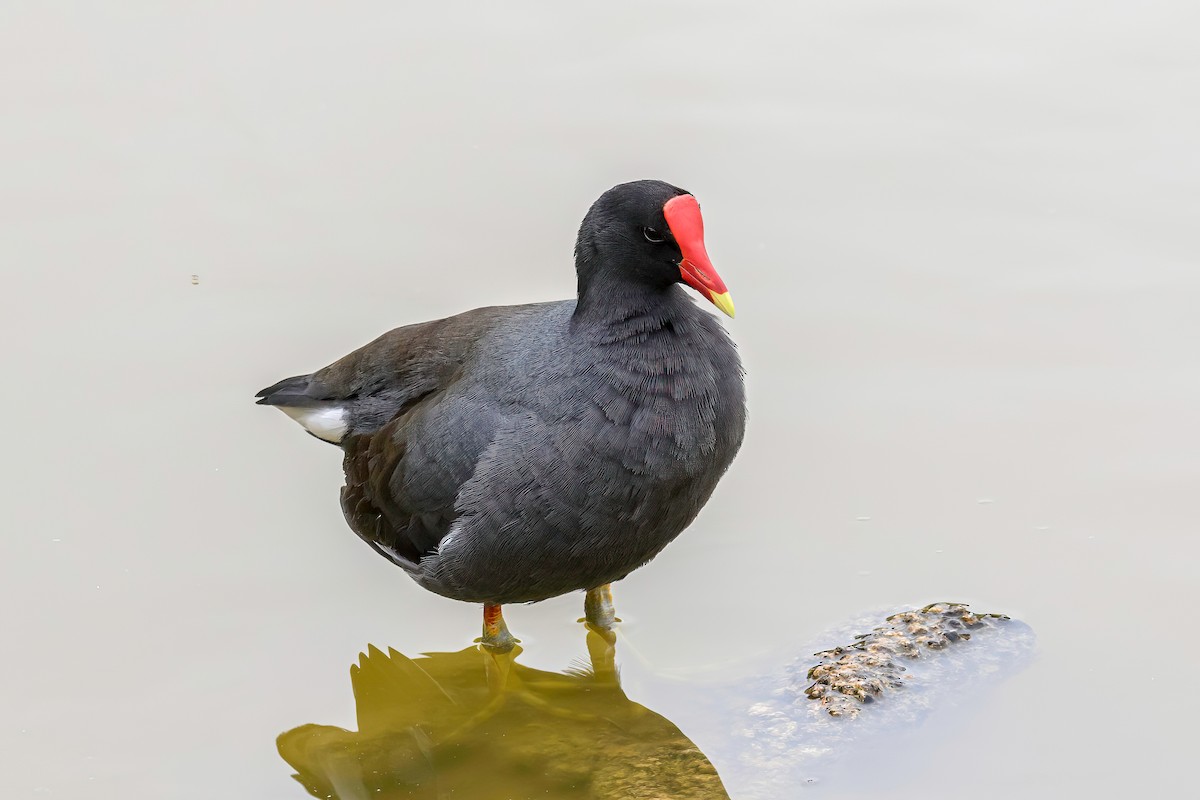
479	725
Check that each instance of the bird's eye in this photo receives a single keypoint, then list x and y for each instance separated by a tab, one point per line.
653	236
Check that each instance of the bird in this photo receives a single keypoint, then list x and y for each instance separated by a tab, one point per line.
510	454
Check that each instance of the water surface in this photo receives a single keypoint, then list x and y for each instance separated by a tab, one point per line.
961	239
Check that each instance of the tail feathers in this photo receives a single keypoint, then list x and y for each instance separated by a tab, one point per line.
289	392
300	398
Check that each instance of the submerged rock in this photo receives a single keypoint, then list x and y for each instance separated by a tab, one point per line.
869	698
847	677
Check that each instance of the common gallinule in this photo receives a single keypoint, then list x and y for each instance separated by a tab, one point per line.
515	453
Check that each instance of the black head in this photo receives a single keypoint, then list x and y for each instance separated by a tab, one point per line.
648	235
625	232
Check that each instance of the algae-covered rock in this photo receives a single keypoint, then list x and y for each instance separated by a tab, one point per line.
863	697
846	677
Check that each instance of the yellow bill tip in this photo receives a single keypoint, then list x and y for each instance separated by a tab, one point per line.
724	302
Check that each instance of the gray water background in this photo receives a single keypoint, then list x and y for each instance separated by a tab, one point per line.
962	239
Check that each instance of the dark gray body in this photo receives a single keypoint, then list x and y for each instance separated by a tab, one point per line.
517	453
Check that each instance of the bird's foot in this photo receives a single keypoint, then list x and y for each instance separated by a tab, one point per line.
503	643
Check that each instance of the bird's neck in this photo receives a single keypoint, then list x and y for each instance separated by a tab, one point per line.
607	300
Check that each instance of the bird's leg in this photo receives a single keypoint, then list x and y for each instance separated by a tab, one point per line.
598	608
495	633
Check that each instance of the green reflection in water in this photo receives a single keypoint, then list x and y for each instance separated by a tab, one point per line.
478	725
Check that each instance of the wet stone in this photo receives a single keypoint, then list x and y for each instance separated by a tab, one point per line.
848	677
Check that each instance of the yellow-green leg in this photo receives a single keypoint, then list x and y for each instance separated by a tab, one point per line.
598	608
